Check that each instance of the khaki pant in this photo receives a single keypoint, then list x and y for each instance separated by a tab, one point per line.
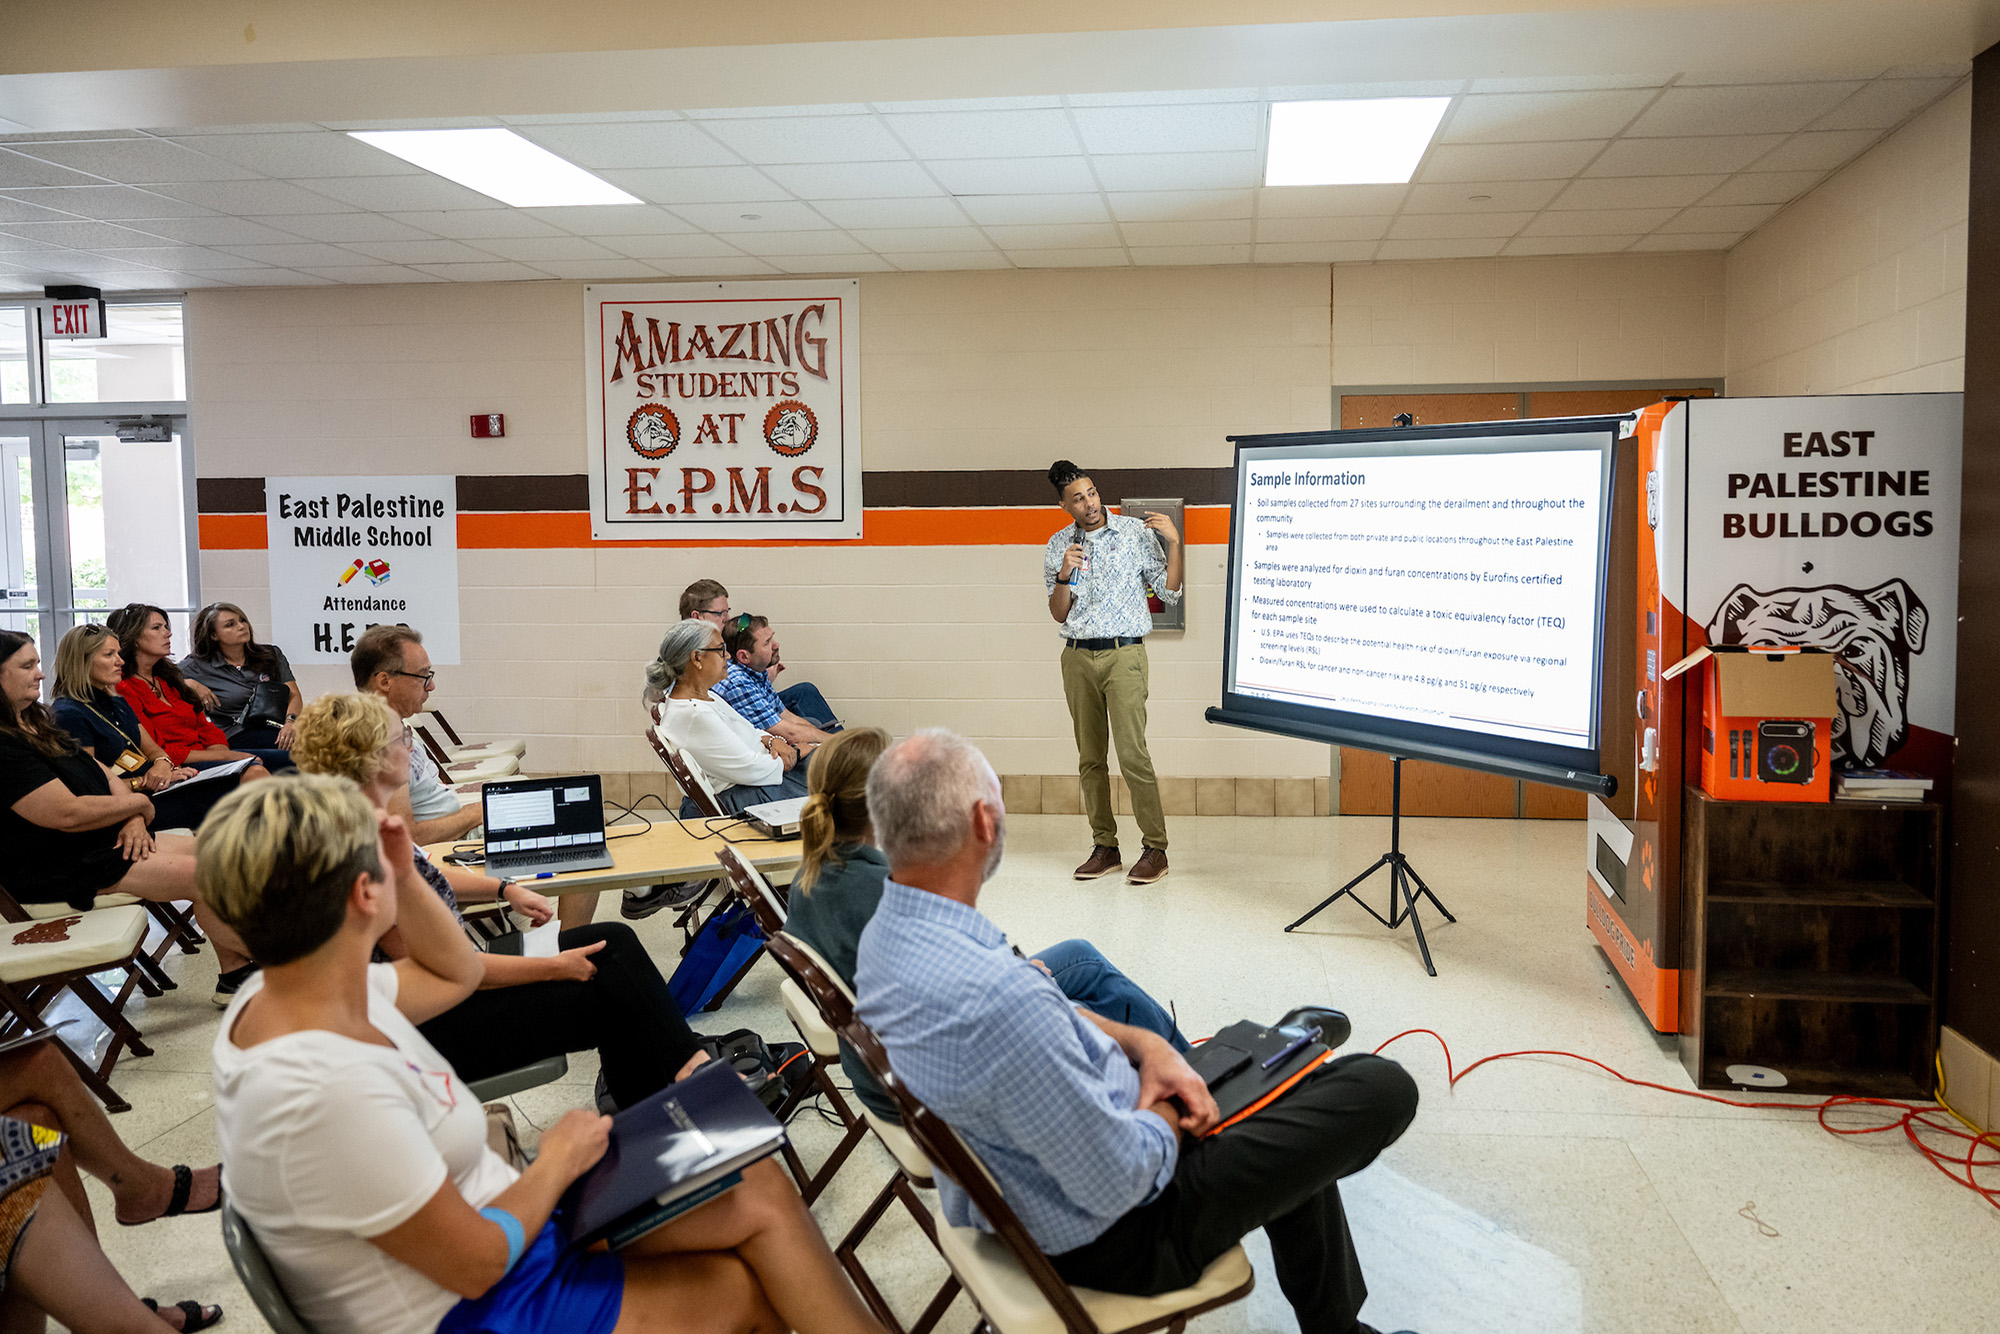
1106	690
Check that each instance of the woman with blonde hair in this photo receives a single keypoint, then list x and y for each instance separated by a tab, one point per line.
353	1151
839	884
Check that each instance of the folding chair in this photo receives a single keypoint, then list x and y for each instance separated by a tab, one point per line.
42	959
461	749
510	1082
177	928
814	979
259	1279
1008	1278
820	1039
687	775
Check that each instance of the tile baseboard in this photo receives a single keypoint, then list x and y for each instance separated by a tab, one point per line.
1062	794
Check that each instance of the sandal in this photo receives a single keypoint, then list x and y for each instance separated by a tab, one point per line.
177	1203
194	1316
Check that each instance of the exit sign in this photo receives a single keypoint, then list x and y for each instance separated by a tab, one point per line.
67	318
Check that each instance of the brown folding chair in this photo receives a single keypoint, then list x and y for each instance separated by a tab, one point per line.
40	960
177	927
815	980
768	912
1008	1278
687	777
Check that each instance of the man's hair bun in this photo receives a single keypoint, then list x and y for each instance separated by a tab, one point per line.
1062	472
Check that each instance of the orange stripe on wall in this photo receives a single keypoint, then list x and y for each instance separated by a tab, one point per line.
542	530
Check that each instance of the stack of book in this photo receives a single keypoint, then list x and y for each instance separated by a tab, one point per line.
1879	785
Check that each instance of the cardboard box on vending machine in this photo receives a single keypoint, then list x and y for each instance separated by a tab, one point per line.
1766	721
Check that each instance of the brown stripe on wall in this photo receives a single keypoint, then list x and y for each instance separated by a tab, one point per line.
509	493
229	495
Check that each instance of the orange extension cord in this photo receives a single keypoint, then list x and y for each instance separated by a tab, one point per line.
1911	1118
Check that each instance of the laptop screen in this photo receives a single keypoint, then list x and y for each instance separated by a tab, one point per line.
556	813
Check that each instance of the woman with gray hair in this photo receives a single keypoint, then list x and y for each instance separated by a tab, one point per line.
742	765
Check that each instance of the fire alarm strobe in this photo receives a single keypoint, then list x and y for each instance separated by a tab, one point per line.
488	425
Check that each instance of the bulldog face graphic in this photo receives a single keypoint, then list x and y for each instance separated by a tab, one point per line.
1874	631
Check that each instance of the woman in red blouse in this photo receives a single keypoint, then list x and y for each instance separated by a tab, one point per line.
166	704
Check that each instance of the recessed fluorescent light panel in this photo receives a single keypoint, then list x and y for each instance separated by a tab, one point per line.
1363	141
498	163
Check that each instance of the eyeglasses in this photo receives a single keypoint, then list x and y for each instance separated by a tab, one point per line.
425	677
710	648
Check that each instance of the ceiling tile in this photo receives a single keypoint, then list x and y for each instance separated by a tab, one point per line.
1712	78
422	252
138	161
1015	176
857	180
1212	128
1223	232
983	134
1069	259
62	136
1688	241
762	113
1764	187
341	228
79	235
946	260
1315	201
1818	150
1171	98
588	220
1481	197
435	123
1192	254
609	269
936	211
218	231
911	239
1741	218
1322	229
271	278
388	194
1468	248
193	258
478	224
1754	109
1180	171
198	131
1627	222
371	273
498	272
1322	92
243	199
600	146
740	267
1636	191
1011	210
17	170
1568	245
767	244
1456	226
297	255
1075	236
593	118
111	203
777	216
694	245
972	104
1885	104
1181	205
1507	162
809	139
829	263
1683	157
697	185
1568	83
293	156
21	210
1504	118
1316	252
537	249
10	243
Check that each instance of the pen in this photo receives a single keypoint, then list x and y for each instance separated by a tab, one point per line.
1310	1035
550	875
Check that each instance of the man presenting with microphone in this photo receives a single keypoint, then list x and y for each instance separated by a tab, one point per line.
1097	571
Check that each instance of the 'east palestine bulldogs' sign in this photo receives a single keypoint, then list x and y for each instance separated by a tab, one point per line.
723	412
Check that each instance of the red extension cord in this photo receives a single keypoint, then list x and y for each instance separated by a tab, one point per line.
1911	1118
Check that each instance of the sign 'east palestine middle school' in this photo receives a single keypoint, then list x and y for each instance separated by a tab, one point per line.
723	412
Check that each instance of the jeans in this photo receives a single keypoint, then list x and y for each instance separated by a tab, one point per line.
1095	984
805	700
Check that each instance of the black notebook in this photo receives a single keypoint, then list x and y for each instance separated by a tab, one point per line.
680	1148
1232	1063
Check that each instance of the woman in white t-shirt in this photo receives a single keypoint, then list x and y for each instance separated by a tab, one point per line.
359	1159
743	765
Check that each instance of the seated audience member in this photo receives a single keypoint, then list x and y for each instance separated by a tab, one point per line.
743	765
90	705
356	1156
252	695
391	661
163	699
601	992
1093	1130
753	661
72	831
706	600
839	883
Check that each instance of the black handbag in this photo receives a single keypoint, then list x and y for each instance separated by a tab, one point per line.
265	708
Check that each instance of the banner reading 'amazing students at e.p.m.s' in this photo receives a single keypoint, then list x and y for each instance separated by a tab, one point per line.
720	412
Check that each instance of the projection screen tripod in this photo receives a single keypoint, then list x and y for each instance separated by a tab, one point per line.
1402	901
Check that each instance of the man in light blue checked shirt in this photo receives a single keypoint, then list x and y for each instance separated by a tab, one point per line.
1097	572
1094	1130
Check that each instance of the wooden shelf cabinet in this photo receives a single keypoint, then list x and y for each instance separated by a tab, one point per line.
1810	935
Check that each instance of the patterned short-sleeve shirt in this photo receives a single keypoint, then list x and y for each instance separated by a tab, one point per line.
1108	600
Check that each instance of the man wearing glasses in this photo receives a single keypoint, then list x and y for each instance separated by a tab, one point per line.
802	709
390	661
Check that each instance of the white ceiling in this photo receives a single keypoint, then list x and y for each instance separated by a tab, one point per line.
1529	166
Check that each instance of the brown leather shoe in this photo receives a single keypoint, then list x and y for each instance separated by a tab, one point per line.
1151	866
1103	861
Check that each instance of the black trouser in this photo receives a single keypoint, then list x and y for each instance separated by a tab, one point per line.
624	1013
1278	1170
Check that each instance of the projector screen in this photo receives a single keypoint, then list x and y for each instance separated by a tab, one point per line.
1430	592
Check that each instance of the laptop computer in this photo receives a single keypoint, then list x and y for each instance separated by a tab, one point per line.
779	819
537	826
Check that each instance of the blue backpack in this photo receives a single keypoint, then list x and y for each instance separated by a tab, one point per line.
722	951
